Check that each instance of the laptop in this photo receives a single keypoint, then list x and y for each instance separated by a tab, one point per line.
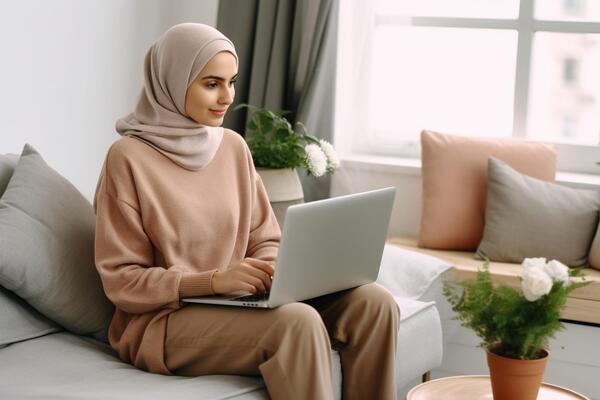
326	246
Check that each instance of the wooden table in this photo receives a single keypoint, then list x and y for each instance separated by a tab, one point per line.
478	387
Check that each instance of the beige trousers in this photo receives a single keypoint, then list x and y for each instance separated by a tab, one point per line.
290	345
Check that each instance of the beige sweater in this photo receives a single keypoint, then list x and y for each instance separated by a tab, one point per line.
162	231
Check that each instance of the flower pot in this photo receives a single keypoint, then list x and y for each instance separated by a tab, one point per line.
283	188
514	378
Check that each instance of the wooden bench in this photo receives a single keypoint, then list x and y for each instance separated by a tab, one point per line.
583	304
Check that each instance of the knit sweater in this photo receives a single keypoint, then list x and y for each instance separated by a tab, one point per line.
162	231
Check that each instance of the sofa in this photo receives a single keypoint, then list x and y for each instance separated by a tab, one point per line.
54	315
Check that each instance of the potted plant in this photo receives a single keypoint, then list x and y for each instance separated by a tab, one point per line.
515	326
278	150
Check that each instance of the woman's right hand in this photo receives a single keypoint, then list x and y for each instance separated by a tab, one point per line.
251	275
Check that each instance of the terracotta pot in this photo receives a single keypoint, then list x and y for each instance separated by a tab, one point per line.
283	188
514	378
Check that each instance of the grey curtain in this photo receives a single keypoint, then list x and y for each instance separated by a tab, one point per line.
287	52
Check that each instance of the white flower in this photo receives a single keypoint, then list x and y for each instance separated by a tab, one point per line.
558	272
316	160
534	262
333	162
535	283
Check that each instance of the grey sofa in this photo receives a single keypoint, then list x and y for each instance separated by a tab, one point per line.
53	315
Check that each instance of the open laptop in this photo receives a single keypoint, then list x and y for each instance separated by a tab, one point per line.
326	246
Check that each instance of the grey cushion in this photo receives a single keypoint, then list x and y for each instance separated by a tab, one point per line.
19	321
528	217
47	247
8	162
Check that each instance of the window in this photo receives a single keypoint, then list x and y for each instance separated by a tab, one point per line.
572	7
501	68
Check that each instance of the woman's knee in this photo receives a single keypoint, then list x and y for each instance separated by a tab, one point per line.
299	315
373	295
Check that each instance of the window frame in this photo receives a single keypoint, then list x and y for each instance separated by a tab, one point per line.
572	157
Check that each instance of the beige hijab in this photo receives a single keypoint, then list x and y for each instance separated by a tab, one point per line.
159	119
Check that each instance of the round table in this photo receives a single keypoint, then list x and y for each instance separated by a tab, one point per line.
478	387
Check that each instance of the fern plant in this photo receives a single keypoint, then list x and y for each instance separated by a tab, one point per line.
508	323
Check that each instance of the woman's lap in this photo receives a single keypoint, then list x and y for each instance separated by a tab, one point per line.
231	339
224	339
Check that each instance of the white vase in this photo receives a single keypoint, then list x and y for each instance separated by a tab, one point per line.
283	188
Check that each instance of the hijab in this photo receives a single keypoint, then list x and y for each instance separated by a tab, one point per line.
171	65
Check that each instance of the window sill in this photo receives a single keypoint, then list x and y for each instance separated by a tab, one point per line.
412	166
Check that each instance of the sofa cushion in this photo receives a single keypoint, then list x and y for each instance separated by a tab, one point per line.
89	369
8	162
528	217
454	183
19	321
47	247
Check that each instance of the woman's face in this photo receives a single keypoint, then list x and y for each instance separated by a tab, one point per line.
212	92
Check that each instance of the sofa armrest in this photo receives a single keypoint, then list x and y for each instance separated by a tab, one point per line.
410	274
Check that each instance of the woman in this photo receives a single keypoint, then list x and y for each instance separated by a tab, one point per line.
182	212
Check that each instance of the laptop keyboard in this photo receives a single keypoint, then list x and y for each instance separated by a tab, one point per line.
252	297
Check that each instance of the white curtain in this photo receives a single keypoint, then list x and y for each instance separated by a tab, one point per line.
356	26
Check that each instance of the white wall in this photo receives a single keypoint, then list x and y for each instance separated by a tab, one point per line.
70	68
358	176
362	173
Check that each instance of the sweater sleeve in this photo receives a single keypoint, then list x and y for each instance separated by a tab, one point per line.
124	255
265	233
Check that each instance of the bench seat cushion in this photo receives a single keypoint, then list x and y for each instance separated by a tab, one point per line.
583	304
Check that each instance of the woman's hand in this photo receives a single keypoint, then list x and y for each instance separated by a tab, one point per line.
252	275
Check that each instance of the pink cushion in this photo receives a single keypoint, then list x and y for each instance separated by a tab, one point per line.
454	173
